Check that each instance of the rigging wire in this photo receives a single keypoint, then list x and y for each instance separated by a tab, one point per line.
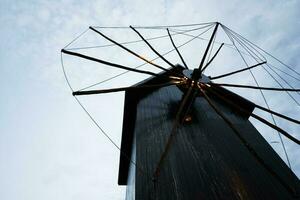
137	41
93	120
179	25
80	35
68	82
295	78
247	42
140	169
282	86
264	98
152	48
230	46
246	48
171	50
289	67
200	38
279	135
282	78
90	116
154	27
273	119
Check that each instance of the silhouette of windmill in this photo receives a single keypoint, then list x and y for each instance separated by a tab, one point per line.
187	137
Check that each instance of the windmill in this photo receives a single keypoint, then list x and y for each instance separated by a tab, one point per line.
184	135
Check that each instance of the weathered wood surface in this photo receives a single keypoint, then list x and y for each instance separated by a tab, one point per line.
206	159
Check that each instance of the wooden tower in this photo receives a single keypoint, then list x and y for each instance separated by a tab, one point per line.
206	160
186	137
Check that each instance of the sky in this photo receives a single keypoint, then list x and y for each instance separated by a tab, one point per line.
49	148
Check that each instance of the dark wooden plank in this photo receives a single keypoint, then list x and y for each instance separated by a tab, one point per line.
206	160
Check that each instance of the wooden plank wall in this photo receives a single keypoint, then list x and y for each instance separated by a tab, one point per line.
206	159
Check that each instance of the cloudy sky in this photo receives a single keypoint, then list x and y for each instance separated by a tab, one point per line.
49	148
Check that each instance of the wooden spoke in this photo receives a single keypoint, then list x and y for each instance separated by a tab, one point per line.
255	87
108	63
90	92
237	71
277	114
208	46
283	132
207	64
152	48
128	50
182	60
176	123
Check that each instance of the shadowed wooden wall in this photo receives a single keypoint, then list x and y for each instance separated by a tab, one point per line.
206	159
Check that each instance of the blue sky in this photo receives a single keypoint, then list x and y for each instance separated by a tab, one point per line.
49	149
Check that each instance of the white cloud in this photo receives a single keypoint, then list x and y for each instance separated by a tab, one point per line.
48	143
